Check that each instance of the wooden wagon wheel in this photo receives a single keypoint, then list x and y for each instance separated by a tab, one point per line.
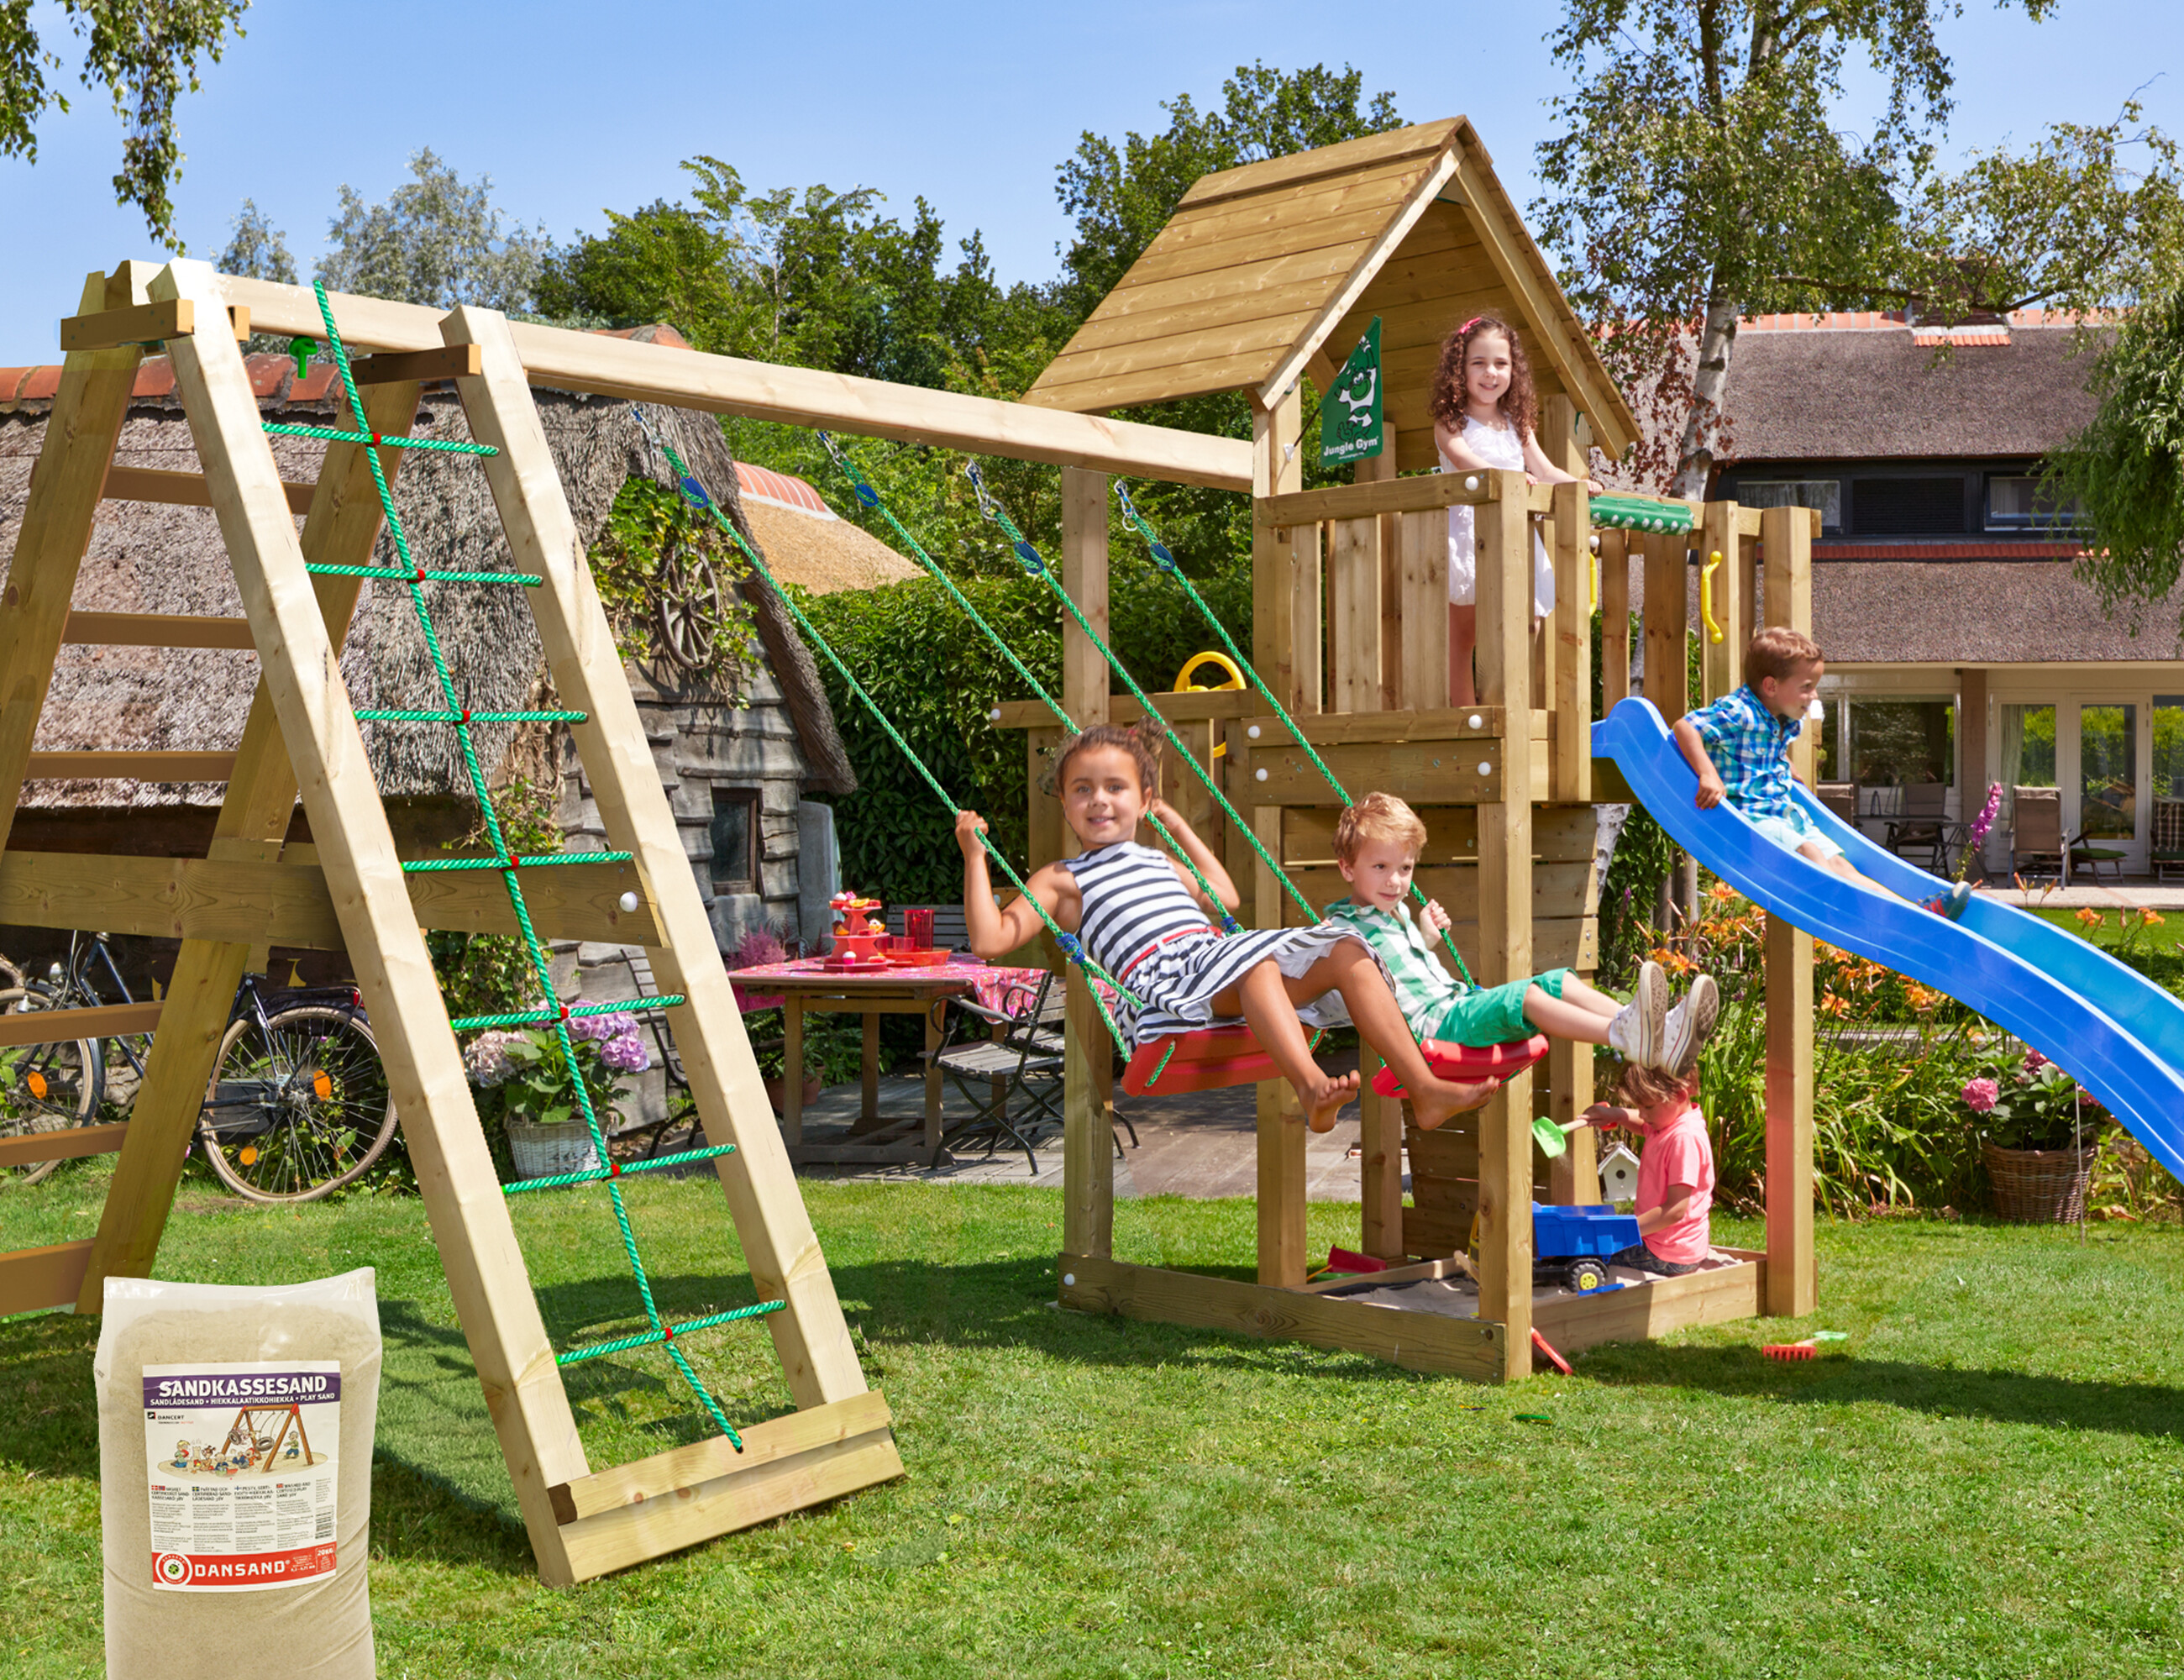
688	610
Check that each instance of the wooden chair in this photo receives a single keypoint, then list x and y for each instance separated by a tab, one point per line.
2167	851
1924	824
1842	799
1023	1060
2036	832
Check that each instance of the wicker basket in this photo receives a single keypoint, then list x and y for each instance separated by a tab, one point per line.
543	1151
2038	1187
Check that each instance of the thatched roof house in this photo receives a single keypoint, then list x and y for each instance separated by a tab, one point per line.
755	746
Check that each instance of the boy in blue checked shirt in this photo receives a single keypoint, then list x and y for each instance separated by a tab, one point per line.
1740	745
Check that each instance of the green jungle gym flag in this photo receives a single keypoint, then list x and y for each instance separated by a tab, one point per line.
1349	414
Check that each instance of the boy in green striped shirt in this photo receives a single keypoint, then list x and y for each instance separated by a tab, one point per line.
1377	843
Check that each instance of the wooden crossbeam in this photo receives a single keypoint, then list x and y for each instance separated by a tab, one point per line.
182	489
38	1279
70	1142
449	361
59	1026
143	324
129	766
156	630
289	904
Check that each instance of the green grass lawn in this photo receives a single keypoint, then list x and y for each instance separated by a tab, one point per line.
1988	1480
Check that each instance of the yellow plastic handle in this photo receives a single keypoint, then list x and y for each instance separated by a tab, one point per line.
1184	686
1705	596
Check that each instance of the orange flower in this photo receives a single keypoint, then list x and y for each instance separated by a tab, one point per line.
1918	997
1833	1004
2148	918
1721	892
2089	917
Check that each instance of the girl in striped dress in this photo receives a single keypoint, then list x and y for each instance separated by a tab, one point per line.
1141	918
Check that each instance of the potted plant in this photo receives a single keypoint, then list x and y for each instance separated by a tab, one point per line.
2036	1127
527	1089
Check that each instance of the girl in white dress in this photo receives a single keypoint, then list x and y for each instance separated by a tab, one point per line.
1485	409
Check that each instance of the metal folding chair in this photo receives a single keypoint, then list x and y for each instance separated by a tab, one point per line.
1021	1063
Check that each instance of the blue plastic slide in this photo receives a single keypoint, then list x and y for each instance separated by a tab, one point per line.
2108	1026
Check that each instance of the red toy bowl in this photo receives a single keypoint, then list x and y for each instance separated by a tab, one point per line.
910	957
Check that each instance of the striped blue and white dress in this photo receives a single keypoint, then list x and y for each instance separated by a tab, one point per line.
1140	923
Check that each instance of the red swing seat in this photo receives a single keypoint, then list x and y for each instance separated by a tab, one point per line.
1468	1064
1214	1058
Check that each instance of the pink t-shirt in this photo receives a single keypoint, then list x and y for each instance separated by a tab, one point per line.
1677	1152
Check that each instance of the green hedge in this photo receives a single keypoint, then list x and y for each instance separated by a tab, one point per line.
936	675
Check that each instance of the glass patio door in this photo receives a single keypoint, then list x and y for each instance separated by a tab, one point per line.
2109	794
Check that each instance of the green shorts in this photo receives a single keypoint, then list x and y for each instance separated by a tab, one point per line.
1495	1015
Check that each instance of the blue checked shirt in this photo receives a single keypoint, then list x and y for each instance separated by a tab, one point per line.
1750	748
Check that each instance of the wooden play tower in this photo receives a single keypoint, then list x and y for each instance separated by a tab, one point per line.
1266	275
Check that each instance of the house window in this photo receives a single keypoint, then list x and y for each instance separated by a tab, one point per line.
1895	743
1907	507
2169	746
1824	493
735	841
2023	502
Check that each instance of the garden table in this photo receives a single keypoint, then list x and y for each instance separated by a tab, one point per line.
806	985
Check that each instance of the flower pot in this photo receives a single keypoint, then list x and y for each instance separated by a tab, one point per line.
777	1091
545	1151
2038	1187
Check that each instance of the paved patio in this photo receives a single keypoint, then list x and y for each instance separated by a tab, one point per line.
2133	892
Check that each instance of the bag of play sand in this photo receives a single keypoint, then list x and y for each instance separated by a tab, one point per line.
235	1431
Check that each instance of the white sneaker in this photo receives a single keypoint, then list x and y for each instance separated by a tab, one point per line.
1639	1033
1690	1024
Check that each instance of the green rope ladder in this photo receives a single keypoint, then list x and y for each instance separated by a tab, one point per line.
555	1014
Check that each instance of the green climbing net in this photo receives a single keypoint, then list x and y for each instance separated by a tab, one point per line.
557	1015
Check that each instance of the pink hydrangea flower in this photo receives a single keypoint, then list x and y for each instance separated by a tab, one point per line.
2034	1061
486	1057
625	1053
601	1027
1981	1095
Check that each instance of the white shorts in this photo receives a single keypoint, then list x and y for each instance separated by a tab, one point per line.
1794	832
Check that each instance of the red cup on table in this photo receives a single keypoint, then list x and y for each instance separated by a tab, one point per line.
919	920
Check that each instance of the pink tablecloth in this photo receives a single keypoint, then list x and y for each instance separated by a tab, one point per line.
989	985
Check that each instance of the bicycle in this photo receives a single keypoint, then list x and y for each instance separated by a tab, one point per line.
297	1105
43	1088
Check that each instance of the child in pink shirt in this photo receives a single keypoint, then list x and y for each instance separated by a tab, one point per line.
1675	1171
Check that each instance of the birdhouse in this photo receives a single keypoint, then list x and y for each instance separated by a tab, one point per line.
1618	1175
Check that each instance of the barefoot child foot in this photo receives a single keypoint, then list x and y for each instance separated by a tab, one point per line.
1327	1097
1440	1099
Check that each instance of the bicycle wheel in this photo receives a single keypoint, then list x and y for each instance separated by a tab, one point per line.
43	1088
297	1108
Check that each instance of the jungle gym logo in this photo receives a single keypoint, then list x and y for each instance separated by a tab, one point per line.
172	1569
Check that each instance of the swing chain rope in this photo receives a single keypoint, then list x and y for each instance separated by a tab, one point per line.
414	577
991	508
698	497
870	497
1164	560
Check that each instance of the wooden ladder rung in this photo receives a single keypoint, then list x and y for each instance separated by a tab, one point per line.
143	323
69	1143
58	1027
32	1280
130	767
156	630
182	489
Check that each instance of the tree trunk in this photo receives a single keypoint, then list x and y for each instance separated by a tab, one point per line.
1703	427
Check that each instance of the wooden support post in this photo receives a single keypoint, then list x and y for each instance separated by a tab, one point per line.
1614	619
1721	663
1792	1285
1379	1165
1285	587
1667	613
1505	912
1569	779
1574	1176
1088	1139
1281	1133
339	529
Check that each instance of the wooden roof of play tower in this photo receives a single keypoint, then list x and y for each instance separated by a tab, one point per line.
1274	269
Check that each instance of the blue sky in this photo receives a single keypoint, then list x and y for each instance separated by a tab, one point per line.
570	108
